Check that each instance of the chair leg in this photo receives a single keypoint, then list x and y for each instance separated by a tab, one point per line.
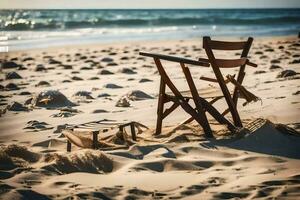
215	113
160	107
200	111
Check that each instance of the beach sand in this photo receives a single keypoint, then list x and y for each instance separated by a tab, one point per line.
104	84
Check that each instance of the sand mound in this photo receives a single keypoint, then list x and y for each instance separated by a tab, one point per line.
13	156
52	99
268	140
16	106
83	161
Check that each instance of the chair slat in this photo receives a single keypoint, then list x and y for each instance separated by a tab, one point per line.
222	45
230	63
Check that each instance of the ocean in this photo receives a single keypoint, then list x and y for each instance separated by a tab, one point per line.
27	29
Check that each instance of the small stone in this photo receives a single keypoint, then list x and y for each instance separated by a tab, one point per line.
112	86
42	84
25	93
11	86
296	93
286	73
94	78
9	65
84	94
67	66
295	61
275	67
40	68
13	75
259	72
100	111
269	50
127	71
27	59
124	58
143	80
104	95
107	59
137	95
53	62
112	64
86	68
275	61
76	78
258	53
105	72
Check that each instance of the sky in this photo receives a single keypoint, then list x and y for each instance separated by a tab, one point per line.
135	4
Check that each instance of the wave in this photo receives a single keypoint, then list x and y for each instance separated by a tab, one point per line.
27	24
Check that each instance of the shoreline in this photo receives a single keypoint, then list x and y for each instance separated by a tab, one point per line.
157	41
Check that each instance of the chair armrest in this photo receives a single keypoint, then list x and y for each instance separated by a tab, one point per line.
175	59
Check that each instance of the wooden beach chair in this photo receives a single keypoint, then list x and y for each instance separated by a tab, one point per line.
216	64
178	99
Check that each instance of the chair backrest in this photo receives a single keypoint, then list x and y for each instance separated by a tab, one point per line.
209	45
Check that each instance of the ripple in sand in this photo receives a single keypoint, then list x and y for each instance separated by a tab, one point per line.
52	99
13	75
35	125
66	112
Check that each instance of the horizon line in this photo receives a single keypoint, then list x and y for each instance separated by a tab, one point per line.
147	8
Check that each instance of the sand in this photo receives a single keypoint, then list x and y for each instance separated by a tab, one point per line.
92	87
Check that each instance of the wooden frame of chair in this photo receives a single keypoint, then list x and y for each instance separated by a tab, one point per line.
178	99
210	45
